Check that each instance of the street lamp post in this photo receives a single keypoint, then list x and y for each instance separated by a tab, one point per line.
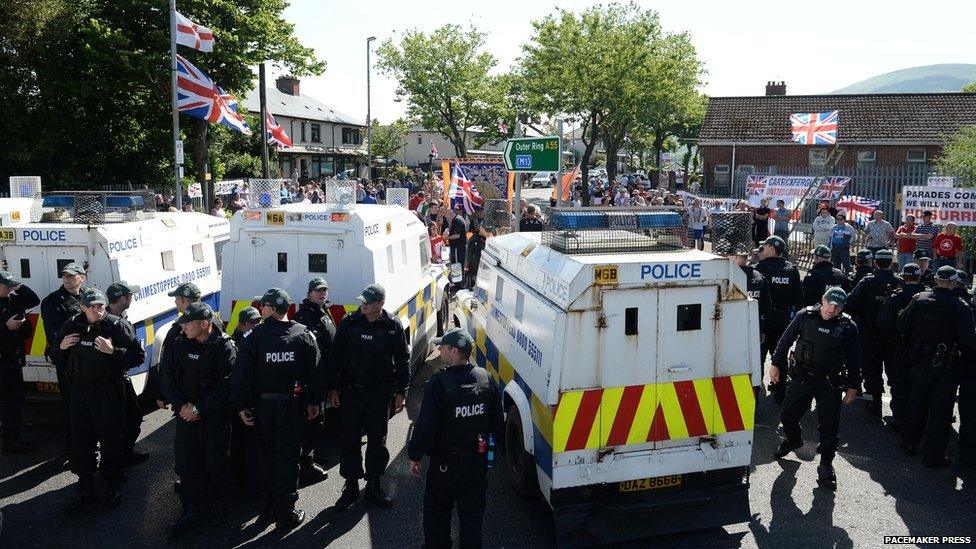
369	120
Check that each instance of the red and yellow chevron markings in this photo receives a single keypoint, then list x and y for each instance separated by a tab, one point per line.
617	416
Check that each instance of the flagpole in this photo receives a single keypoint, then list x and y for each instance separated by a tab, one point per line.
177	144
264	122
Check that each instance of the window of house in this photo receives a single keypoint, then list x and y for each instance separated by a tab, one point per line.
350	136
746	168
420	140
198	253
318	263
866	158
316	133
630	321
304	125
916	155
689	317
818	157
282	262
519	305
25	268
167	259
499	288
721	174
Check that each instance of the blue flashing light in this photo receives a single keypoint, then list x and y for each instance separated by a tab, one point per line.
622	219
58	201
124	201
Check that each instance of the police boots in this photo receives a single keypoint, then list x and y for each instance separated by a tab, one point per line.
113	493
291	520
875	407
785	447
188	518
85	496
826	478
350	495
376	494
310	471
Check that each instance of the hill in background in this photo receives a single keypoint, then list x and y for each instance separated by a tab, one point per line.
927	79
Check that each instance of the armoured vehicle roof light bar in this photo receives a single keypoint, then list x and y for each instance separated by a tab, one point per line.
584	218
59	201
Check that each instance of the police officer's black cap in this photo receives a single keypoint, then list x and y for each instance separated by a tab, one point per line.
946	272
372	294
7	279
456	337
119	289
836	296
865	255
963	277
72	269
919	254
318	283
821	251
912	269
93	296
776	242
276	297
196	311
187	289
249	314
884	254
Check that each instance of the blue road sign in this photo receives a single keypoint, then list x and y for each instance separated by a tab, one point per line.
523	161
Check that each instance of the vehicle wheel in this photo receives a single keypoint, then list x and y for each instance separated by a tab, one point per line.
520	464
443	315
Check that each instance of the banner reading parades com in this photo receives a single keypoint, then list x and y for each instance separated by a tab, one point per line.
947	204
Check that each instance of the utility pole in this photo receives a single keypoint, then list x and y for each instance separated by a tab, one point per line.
369	120
559	174
517	205
263	97
175	103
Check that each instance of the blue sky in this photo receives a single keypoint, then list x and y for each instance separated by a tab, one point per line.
815	47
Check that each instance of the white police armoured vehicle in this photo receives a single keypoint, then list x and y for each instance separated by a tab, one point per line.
626	364
115	236
14	211
350	246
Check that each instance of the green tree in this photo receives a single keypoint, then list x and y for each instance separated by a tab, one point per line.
445	78
969	88
388	140
958	158
88	83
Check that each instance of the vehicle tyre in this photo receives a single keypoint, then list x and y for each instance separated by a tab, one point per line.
520	464
443	314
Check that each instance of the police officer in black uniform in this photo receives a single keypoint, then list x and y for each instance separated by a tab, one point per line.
822	275
369	362
15	300
863	304
863	266
183	296
924	263
243	444
95	349
196	381
826	342
459	414
758	289
939	325
313	314
967	386
786	294
56	309
277	385
898	364
119	296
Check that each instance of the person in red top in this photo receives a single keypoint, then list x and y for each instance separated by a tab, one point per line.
948	247
436	243
906	242
416	200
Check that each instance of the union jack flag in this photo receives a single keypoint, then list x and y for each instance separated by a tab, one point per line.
858	208
433	150
464	192
276	133
814	128
831	187
755	186
193	35
201	97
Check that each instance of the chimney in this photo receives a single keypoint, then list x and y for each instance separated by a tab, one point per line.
775	88
287	84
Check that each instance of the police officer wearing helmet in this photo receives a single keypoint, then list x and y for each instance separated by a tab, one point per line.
96	349
822	275
786	294
863	266
369	363
196	381
276	386
460	411
313	314
826	342
939	326
59	306
864	304
898	365
15	300
119	296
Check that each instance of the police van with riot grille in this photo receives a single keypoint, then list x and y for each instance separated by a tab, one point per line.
349	245
114	236
626	365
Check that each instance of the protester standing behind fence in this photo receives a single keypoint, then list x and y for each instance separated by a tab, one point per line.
840	243
926	232
781	224
823	225
948	247
697	219
906	241
760	222
880	233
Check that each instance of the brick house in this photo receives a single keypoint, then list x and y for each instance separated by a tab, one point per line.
743	135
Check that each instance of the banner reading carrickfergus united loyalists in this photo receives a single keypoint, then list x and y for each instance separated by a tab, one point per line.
791	189
947	204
